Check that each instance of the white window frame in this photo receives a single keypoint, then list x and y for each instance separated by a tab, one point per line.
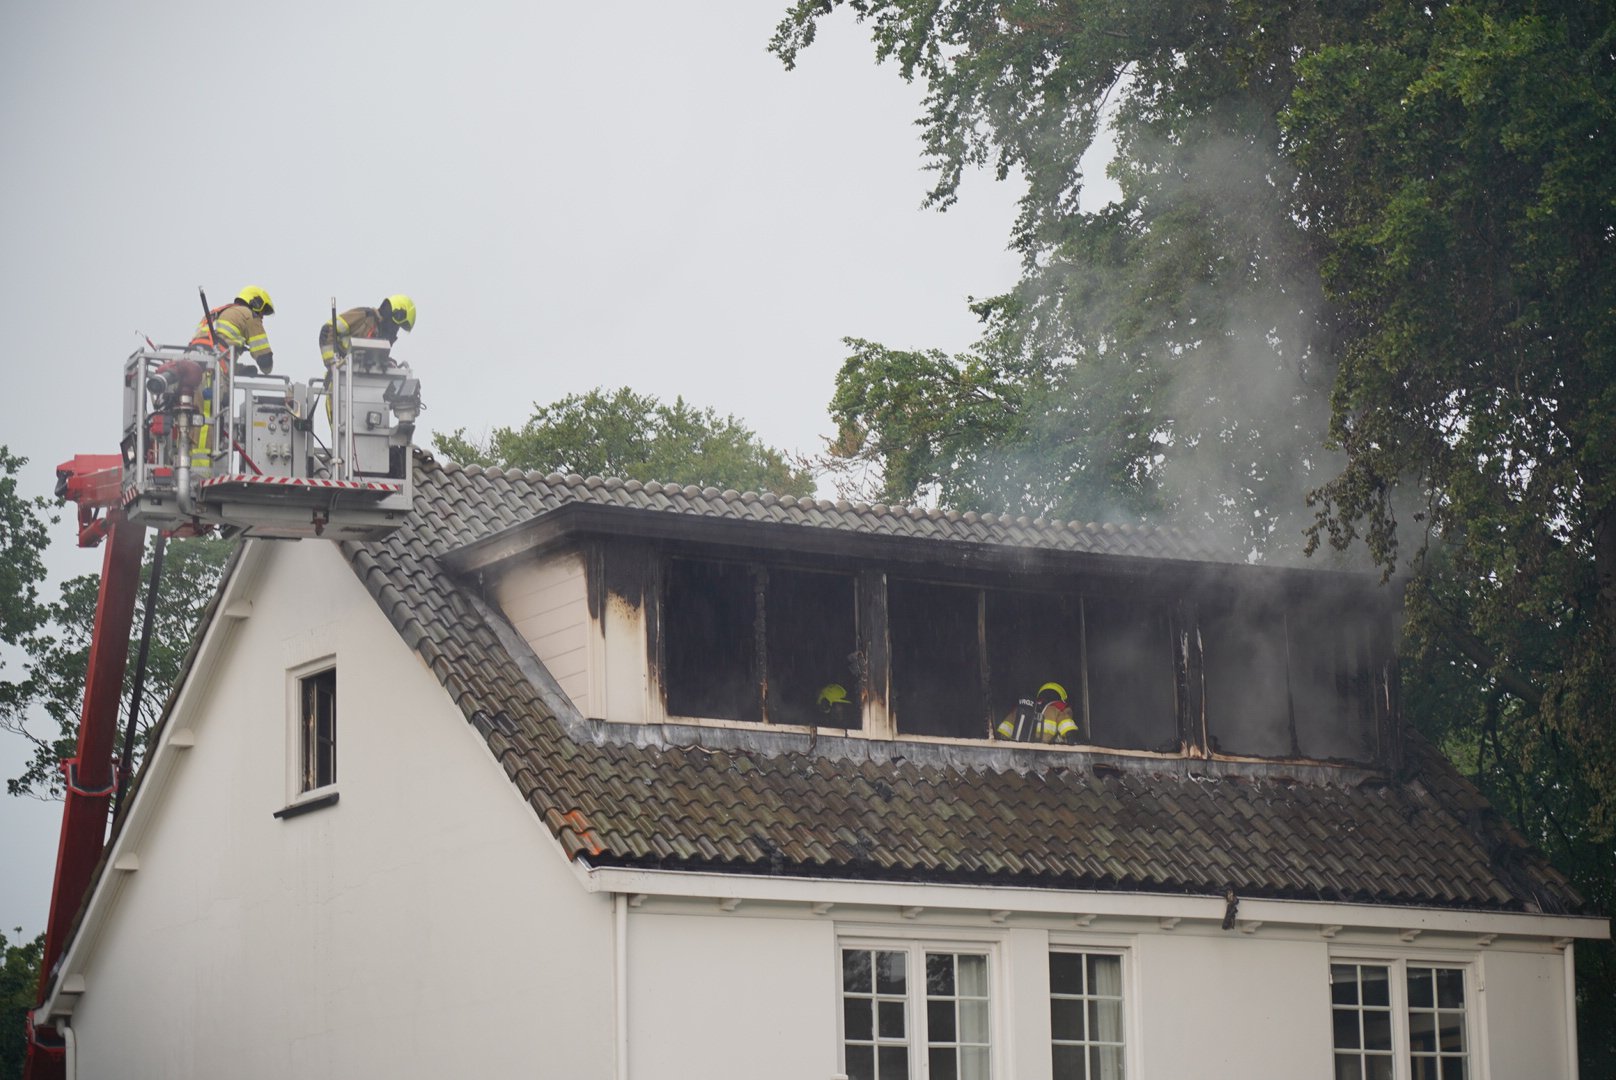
296	747
1130	1012
1397	965
916	1020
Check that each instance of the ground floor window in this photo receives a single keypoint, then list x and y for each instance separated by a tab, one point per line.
1085	1015
904	1004
1387	1014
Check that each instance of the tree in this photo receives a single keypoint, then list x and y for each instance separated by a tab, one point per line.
636	437
191	572
19	985
24	532
1408	208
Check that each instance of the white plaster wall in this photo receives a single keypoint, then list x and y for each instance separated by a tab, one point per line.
1235	1006
425	926
1525	1017
727	997
545	601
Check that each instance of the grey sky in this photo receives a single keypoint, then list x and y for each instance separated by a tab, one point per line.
628	192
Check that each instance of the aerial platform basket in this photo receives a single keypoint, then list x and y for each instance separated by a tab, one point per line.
259	467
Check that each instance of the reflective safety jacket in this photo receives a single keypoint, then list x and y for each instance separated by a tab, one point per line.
239	331
360	322
1051	724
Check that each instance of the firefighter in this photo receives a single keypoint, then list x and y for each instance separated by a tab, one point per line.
238	327
835	705
1046	717
395	313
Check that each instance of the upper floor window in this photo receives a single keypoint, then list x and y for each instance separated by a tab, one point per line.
1085	1015
750	642
317	730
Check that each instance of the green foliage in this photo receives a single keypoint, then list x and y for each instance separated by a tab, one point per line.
191	572
636	437
24	532
19	986
1408	208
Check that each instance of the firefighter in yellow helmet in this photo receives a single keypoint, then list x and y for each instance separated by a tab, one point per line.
1044	718
238	327
395	313
835	705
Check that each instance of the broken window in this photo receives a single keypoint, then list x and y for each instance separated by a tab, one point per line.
710	630
1132	682
935	636
1248	709
742	638
1033	639
812	648
1331	686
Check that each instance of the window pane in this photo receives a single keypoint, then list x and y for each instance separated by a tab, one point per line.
1346	1029
936	662
1424	1068
1377	1029
891	1014
1344	984
1450	988
1453	1068
939	975
856	1018
1419	988
973	1021
973	976
812	638
1422	1032
856	970
1450	1032
1065	973
1377	986
940	1026
1107	1062
1071	1063
710	640
1105	1020
944	1065
1105	975
1131	680
891	972
1066	1019
1379	1067
973	1061
861	1063
894	1062
1348	1067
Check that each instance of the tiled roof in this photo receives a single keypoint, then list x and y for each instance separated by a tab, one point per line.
838	807
476	503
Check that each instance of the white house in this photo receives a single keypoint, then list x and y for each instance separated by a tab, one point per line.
543	786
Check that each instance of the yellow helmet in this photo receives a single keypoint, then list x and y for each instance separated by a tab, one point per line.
400	309
831	694
1055	686
257	299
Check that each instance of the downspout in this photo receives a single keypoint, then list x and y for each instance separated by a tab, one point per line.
620	979
70	1066
1571	1010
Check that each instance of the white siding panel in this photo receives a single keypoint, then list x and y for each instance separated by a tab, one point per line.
546	601
1525	1014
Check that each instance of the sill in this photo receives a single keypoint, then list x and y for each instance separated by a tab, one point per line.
317	801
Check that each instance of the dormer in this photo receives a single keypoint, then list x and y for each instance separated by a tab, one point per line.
663	605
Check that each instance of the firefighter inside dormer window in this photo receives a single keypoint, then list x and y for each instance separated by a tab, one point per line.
1046	717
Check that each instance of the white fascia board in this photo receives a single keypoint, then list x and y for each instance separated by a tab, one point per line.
988	899
161	761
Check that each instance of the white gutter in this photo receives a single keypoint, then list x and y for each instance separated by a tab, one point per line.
1571	1010
1313	914
620	981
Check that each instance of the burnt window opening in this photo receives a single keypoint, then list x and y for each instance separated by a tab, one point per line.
1033	638
935	636
1289	681
1131	693
317	730
753	643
